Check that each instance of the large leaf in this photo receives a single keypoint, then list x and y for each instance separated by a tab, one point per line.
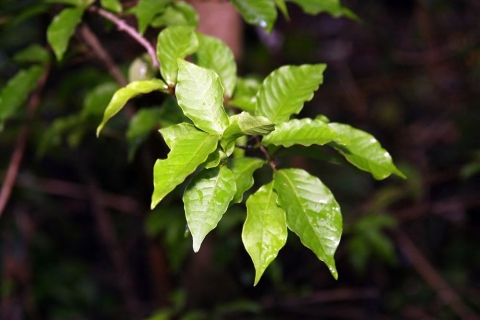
262	13
146	10
200	95
286	89
312	212
245	95
305	132
187	152
62	28
175	43
243	169
333	7
16	91
177	14
112	5
265	230
365	152
122	95
206	199
214	54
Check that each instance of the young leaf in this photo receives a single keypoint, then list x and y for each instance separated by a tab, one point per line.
146	10
122	95
257	12
286	89
206	199
62	28
243	169
142	123
305	132
265	230
200	95
177	14
245	95
16	91
112	5
214	54
175	43
187	152
312	212
333	7
365	152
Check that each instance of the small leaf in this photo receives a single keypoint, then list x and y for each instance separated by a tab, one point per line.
141	69
175	43
62	28
332	7
33	53
140	126
177	14
214	54
243	169
261	13
97	100
312	212
187	153
245	95
206	199
305	132
286	89
146	10
265	230
365	152
112	5
122	95
283	8
200	95
17	90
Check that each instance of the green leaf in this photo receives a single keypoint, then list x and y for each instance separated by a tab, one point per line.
312	212
170	134
187	152
265	230
206	199
286	89
200	95
70	127
177	14
305	132
171	113
243	169
146	10
175	43
77	3
141	69
62	28
141	125
332	7
283	8
33	53
245	95
122	95
97	100
262	13
365	152
214	54
112	5
17	90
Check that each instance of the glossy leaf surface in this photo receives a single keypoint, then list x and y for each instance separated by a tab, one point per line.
286	89
177	14
62	28
122	95
243	169
187	152
312	212
206	199
175	43
265	230
365	152
262	13
146	10
112	5
171	133
200	95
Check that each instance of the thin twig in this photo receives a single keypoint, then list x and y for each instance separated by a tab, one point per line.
123	26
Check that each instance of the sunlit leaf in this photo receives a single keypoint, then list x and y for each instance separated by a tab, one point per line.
262	13
121	97
171	133
243	169
365	152
206	199
286	89
332	7
141	125
62	28
177	14
265	230
187	153
200	95
146	10
245	94
312	212
112	5
33	53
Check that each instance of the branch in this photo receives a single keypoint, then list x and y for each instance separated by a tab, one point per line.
123	26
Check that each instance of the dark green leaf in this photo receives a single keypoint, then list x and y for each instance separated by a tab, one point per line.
141	125
77	3
112	5
243	169
62	28
177	14
146	10
171	113
262	13
332	7
283	8
97	100
245	95
33	53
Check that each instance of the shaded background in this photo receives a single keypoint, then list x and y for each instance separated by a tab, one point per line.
78	240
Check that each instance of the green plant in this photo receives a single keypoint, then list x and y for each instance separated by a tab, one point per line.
208	139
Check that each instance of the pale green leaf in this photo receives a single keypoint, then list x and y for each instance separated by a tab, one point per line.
171	133
122	95
177	14
112	5
200	95
146	10
365	152
214	54
286	89
245	94
141	125
175	43
62	28
262	13
186	154
243	169
332	7
33	53
305	132
206	199
97	100
141	69
312	212
17	90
